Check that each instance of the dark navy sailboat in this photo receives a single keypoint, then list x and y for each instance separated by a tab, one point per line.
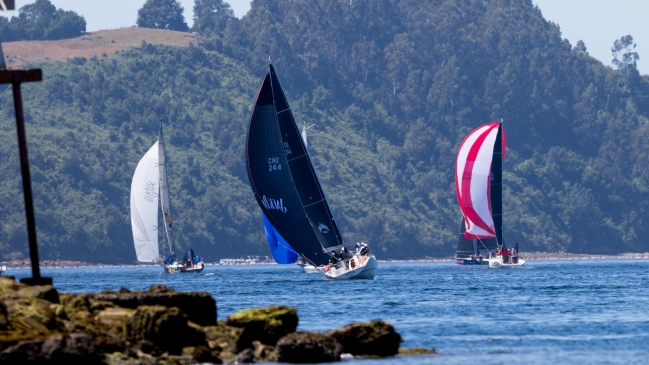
294	207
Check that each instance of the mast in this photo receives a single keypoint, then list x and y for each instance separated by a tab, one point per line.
164	193
312	196
496	188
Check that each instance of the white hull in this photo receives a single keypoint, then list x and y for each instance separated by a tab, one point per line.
358	267
497	263
310	269
177	267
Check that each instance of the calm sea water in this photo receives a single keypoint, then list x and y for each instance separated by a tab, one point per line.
588	311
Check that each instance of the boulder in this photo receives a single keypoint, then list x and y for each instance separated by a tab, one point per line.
224	339
9	286
75	348
266	325
199	307
308	347
30	314
376	338
163	327
45	292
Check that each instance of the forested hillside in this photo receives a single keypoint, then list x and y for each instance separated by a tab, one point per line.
392	86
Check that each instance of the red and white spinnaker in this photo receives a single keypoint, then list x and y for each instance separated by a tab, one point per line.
473	179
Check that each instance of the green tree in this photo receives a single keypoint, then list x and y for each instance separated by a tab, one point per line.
624	58
42	21
211	16
162	14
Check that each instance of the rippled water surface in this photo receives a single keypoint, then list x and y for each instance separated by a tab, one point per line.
588	311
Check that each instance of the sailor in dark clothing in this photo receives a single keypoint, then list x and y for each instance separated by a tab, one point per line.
357	247
364	249
185	258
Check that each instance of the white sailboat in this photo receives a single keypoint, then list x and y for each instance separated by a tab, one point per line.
149	186
478	181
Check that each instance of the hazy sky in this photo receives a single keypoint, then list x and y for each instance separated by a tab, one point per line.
597	22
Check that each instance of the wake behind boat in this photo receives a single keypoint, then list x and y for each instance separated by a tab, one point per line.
148	186
478	183
296	214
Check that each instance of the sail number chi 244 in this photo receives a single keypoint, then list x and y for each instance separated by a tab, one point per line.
273	164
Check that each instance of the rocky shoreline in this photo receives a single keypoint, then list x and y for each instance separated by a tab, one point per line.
38	325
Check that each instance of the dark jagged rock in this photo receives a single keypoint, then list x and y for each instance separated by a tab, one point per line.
200	307
308	347
266	325
166	328
75	348
376	338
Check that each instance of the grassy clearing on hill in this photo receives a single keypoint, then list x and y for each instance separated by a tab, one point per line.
103	43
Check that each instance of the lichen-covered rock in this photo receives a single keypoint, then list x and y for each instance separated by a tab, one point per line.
376	338
266	325
114	319
30	314
9	286
45	292
308	347
264	353
416	351
224	339
166	328
199	307
75	348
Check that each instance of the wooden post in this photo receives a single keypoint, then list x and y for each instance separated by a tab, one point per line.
15	78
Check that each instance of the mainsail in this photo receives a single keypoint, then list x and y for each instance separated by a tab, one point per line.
478	181
283	179
144	206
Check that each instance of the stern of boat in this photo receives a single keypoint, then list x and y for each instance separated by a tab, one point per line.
358	267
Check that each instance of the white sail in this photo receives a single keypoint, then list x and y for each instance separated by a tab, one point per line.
164	194
144	206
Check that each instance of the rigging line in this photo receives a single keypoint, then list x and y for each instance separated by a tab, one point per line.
313	203
295	158
282	111
483	245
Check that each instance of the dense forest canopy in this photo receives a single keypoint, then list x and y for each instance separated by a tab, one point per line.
392	86
42	21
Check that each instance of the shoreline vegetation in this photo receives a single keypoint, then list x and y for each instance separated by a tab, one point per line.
39	325
59	264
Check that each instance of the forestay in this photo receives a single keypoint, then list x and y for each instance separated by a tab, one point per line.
144	206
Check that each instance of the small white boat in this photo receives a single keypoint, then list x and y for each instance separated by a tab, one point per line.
358	267
496	262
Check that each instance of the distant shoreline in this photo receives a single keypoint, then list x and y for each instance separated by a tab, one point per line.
50	264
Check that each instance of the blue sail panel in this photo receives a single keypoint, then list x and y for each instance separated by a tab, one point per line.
282	252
